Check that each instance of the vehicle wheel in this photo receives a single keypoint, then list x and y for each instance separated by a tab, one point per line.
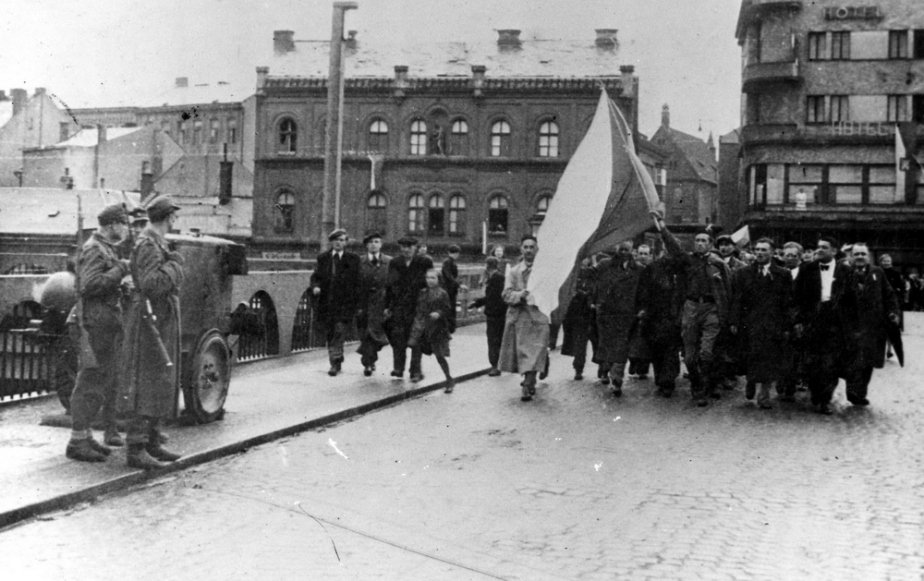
209	378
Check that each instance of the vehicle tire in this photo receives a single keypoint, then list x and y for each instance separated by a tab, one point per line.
209	378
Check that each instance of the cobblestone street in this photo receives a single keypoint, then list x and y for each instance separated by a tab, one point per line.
574	485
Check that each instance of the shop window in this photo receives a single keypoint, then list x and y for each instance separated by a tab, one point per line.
457	214
807	179
840	46
758	184
897	108
815	109
376	213
284	212
419	137
378	136
817	46
882	185
840	108
548	139
898	44
415	214
845	184
498	215
500	139
436	216
287	142
458	138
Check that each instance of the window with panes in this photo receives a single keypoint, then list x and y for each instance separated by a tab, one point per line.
457	214
284	212
817	46
898	44
419	137
548	139
815	109
458	138
287	136
839	108
436	216
897	108
415	214
498	215
840	46
378	136
376	213
500	139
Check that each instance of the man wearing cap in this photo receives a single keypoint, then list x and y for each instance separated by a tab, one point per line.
450	276
149	387
370	318
335	285
407	276
101	273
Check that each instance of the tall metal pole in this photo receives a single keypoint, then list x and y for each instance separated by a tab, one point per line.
330	203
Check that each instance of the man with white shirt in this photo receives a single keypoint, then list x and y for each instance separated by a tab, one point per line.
825	310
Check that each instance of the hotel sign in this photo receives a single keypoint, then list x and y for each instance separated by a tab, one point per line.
853	13
860	128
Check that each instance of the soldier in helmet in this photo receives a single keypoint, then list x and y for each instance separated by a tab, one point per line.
101	273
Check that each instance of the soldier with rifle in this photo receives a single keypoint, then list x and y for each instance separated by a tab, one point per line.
99	318
152	338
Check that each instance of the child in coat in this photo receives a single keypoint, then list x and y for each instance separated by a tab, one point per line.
430	332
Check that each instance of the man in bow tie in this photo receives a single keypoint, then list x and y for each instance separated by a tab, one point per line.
826	306
370	317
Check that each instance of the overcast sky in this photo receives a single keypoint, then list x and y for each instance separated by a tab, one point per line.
684	51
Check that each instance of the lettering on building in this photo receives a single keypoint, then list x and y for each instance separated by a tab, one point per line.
281	255
858	128
853	13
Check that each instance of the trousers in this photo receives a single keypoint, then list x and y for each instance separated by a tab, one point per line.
98	387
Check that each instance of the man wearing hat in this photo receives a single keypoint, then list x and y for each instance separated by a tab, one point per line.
152	330
335	285
450	275
100	275
407	276
370	318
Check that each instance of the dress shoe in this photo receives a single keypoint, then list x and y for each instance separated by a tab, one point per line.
334	370
367	371
416	377
578	376
450	385
666	393
104	450
617	390
750	390
138	457
545	371
526	395
160	453
112	438
861	402
82	451
397	373
605	380
494	372
822	409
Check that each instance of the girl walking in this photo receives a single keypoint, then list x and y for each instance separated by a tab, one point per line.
430	332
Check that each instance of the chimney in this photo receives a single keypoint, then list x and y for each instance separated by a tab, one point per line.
283	42
478	79
19	99
401	82
100	134
665	116
3	96
628	80
606	39
350	42
147	180
39	91
262	73
508	39
182	82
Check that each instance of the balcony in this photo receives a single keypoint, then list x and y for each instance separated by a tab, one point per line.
754	9
758	76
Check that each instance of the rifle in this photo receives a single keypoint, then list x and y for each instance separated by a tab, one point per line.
151	321
87	355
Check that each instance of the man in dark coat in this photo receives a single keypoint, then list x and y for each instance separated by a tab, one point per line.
639	349
335	283
792	261
407	276
825	309
706	282
730	351
495	311
580	324
370	318
450	278
148	391
761	315
897	281
877	308
659	305
100	293
614	301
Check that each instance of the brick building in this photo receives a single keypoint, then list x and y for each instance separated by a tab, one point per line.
29	122
438	140
825	85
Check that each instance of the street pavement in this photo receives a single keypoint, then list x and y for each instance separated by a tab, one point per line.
573	485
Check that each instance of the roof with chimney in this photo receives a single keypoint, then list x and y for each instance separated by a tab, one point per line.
90	137
695	152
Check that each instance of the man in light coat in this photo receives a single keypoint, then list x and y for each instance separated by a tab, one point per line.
370	318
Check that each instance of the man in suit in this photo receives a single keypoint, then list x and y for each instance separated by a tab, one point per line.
370	318
335	284
877	308
407	276
825	308
792	261
495	311
450	276
761	315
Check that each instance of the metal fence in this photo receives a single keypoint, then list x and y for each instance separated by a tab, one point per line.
25	365
262	336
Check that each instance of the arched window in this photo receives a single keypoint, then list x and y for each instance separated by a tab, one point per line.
181	132
415	214
378	136
376	214
500	139
548	139
288	136
232	130
214	130
542	208
457	214
419	137
165	126
436	214
458	138
284	212
497	214
197	132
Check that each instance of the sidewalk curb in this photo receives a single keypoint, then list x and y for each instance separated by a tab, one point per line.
63	501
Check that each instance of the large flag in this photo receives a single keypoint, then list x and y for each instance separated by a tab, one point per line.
605	196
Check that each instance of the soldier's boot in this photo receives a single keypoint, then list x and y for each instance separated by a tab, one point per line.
157	451
138	457
82	451
112	437
697	391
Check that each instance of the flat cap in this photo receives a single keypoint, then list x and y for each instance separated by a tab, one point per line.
112	214
336	234
137	215
161	207
724	239
454	248
371	236
407	241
